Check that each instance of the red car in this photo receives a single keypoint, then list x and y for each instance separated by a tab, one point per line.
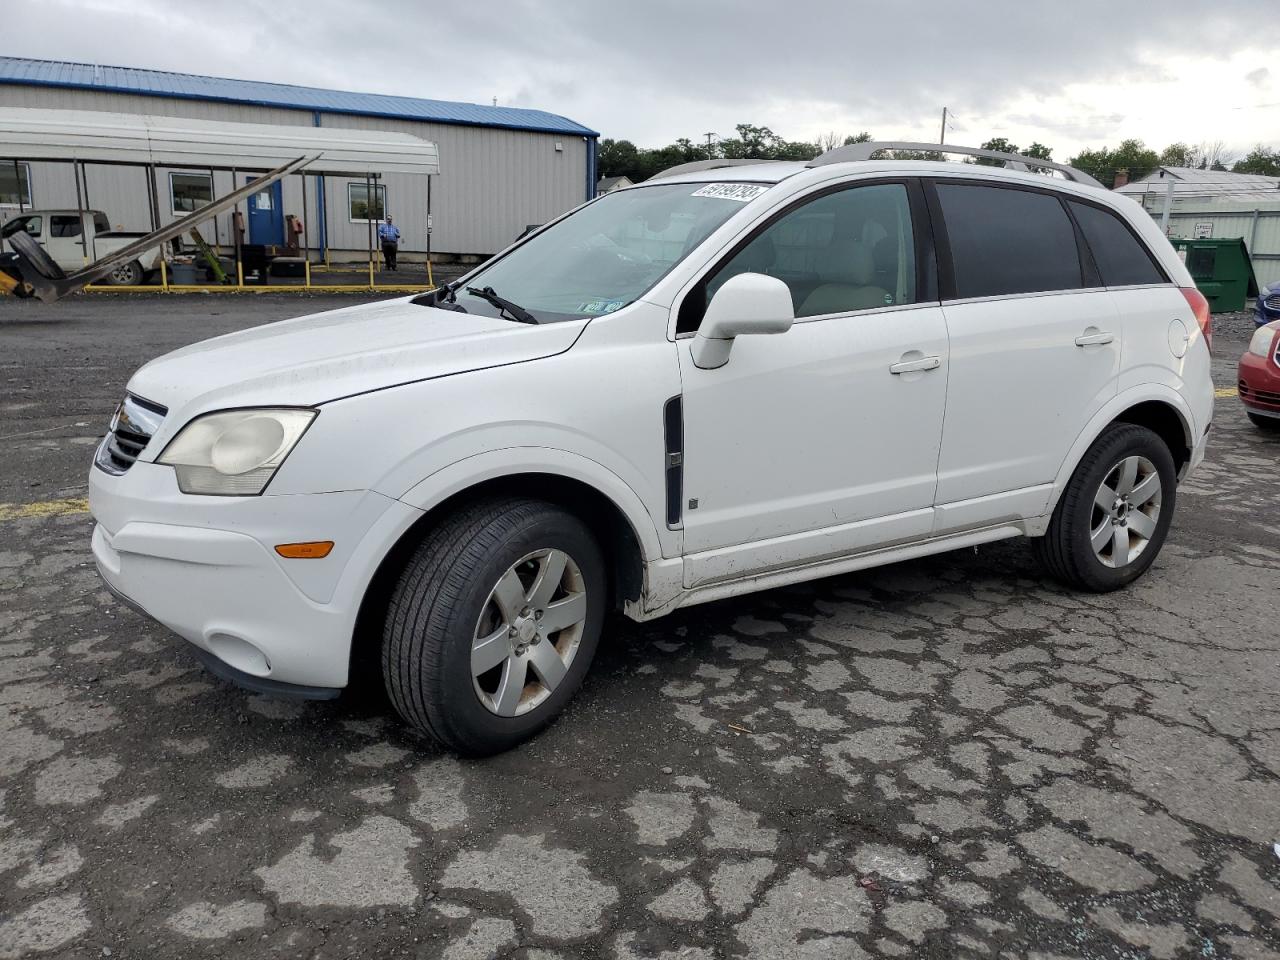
1260	377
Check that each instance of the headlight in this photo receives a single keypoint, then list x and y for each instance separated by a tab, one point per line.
1261	342
235	452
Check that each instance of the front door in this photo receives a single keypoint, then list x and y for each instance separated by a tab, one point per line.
266	218
822	441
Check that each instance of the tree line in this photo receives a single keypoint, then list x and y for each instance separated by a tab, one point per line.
623	158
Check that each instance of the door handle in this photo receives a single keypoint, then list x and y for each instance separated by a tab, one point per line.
1089	339
911	366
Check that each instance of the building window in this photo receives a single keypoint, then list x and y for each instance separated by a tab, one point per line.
190	191
358	202
15	184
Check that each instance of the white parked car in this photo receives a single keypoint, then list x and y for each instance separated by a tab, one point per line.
725	379
74	238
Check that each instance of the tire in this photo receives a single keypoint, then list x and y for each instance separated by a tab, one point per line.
126	275
1265	423
454	590
1067	550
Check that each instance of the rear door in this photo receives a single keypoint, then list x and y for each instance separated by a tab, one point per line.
66	242
1034	347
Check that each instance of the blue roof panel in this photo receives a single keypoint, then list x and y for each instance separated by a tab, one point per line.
90	76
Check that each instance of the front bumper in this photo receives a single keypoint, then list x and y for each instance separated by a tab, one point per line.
1259	384
205	568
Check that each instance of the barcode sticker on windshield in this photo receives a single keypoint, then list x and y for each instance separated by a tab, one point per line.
742	192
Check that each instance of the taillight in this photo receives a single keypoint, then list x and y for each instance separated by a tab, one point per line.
1200	307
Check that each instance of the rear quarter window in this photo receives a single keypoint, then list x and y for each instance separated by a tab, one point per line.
1121	258
1007	241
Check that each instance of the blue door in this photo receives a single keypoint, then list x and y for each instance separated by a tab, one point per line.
266	218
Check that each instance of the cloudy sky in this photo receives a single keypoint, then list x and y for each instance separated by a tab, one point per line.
1069	75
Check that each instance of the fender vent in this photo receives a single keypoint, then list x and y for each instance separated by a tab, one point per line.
673	433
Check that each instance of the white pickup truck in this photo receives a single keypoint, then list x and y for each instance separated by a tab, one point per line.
73	238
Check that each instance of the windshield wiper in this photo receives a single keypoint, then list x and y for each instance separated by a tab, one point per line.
514	310
443	298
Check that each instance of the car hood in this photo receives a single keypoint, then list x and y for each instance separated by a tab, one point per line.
327	356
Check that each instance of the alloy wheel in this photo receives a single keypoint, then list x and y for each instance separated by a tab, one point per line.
1126	510
528	632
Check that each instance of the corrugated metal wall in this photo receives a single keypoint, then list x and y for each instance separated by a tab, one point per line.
492	183
1257	223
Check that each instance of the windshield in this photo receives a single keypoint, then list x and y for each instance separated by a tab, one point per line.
608	253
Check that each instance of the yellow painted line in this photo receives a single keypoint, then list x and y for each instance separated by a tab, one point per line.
45	508
1225	392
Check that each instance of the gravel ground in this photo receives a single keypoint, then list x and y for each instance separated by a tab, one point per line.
948	757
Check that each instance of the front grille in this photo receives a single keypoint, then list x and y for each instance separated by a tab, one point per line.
1272	302
134	424
1258	396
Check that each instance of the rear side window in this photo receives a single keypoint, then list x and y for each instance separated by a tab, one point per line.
100	223
1006	241
64	226
1120	256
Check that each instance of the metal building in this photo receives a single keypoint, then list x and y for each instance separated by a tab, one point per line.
1190	185
501	168
1216	203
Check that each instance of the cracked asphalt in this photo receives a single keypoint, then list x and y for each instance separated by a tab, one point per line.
953	757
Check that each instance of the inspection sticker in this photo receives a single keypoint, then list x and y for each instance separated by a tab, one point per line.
742	192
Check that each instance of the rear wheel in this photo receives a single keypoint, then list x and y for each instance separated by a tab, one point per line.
493	624
1114	515
1269	424
126	275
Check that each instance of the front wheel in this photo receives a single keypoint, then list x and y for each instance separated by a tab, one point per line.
1265	423
493	624
1115	512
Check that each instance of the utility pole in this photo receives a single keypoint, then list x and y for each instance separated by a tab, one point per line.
710	151
942	137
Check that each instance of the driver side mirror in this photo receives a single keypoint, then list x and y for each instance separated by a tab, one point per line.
747	304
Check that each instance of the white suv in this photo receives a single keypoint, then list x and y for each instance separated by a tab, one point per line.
464	484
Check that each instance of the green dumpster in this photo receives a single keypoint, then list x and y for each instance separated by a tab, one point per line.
1221	269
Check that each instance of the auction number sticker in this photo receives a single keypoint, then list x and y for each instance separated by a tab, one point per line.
742	192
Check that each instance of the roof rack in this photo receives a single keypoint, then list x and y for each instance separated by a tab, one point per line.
694	166
1012	161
